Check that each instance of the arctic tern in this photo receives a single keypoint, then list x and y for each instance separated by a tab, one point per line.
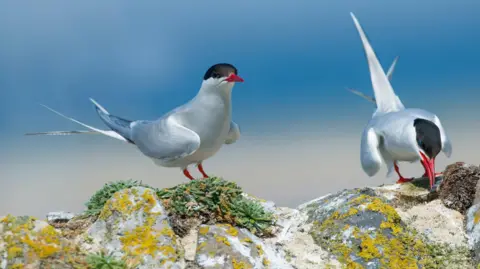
189	134
395	133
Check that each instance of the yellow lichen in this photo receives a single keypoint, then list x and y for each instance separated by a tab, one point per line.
232	231
140	241
265	262
259	250
476	218
402	250
368	248
246	240
240	264
221	239
204	230
201	245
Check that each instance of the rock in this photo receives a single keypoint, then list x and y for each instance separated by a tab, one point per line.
133	226
407	194
59	217
212	224
457	190
26	242
225	246
363	230
473	230
438	223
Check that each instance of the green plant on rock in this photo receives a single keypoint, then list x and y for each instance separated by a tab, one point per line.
216	199
98	200
252	215
102	261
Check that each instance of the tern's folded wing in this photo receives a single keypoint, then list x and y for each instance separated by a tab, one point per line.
233	133
165	139
369	152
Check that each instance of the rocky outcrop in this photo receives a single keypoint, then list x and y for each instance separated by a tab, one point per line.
211	223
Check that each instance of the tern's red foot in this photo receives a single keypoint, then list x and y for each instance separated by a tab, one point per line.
200	168
404	180
187	174
401	178
436	174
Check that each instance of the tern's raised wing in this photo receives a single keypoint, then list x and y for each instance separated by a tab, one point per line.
384	95
370	156
389	75
165	139
233	133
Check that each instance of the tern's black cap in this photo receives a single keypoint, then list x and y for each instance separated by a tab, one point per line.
428	137
220	70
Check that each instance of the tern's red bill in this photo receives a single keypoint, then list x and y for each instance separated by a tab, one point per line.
234	78
429	165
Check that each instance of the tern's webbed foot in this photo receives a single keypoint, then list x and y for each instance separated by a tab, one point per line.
436	174
404	180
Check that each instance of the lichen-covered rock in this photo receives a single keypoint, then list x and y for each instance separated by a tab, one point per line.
457	190
26	242
438	223
225	246
473	230
408	194
364	231
133	226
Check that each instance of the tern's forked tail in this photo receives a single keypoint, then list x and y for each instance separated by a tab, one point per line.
93	130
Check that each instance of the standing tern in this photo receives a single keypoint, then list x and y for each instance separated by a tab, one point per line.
395	133
189	134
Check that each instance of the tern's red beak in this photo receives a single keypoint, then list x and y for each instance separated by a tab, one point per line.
234	78
429	165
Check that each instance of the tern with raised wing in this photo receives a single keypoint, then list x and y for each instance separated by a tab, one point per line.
395	133
189	134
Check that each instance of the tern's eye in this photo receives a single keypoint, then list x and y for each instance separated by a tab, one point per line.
215	75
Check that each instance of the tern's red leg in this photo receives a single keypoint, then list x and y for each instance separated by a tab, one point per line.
187	174
200	168
401	179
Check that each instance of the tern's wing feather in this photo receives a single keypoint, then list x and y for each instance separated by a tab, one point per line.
384	94
392	68
104	132
370	156
63	133
233	133
361	94
389	75
165	139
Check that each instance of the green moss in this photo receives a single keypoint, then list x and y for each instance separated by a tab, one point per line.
102	261
100	198
217	199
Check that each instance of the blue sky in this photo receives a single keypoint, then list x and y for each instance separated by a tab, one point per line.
141	59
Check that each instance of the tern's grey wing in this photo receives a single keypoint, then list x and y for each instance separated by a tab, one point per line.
370	156
165	139
233	133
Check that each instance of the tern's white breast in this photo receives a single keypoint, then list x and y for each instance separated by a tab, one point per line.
210	118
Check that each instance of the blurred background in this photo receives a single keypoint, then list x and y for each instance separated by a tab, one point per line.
300	127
